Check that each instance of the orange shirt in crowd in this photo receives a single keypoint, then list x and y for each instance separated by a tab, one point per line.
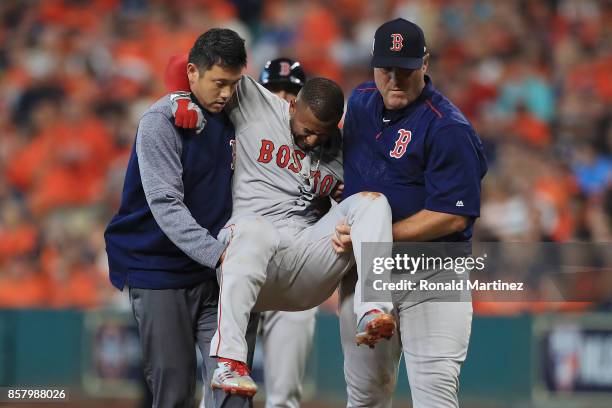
317	32
603	79
80	288
532	130
559	192
26	289
85	17
594	76
64	165
527	307
17	241
71	283
168	43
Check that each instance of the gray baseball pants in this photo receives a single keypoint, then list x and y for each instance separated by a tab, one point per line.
289	267
433	337
285	354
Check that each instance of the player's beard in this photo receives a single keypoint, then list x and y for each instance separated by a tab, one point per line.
297	140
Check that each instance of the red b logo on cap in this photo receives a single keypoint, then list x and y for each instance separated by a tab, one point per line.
398	42
285	68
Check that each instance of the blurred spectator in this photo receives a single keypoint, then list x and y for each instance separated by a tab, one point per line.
533	76
592	170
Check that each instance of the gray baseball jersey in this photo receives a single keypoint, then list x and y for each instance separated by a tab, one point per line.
280	193
264	144
279	254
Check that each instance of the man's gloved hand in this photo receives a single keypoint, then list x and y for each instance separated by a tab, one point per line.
186	114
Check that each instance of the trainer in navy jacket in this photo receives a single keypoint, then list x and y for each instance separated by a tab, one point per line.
140	254
424	156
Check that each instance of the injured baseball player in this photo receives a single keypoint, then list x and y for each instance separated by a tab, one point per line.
279	255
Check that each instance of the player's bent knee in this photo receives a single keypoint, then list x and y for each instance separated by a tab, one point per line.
372	197
375	202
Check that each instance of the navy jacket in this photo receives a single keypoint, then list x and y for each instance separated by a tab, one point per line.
187	178
425	156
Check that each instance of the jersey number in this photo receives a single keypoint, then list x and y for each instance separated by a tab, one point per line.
401	144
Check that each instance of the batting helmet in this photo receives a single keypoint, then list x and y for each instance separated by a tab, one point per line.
283	74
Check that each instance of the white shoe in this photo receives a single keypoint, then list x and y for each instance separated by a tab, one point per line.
233	377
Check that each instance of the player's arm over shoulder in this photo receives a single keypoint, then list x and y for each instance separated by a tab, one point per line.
252	102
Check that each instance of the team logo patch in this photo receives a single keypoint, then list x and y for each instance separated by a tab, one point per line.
401	144
397	42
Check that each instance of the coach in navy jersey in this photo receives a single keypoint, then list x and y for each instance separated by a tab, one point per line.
162	243
403	138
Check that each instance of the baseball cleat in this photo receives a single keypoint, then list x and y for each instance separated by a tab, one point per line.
233	377
373	326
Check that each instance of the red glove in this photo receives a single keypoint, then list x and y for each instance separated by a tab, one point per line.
187	114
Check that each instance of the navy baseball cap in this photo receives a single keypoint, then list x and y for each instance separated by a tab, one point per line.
398	43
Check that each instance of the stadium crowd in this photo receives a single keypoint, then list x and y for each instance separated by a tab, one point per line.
533	76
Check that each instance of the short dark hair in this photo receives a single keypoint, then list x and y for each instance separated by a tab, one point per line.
325	99
219	46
